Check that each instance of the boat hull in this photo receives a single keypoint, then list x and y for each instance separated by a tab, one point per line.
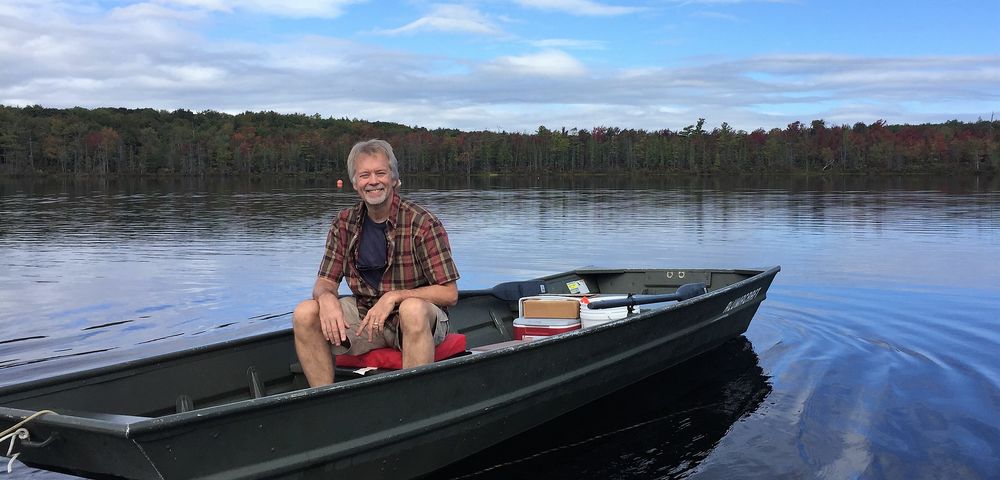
398	424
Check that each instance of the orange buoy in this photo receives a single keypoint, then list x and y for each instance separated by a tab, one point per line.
340	183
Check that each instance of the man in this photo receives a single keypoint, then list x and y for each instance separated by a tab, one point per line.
398	265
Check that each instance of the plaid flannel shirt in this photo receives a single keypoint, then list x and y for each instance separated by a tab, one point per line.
418	252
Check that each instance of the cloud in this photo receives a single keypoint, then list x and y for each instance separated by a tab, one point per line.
281	8
146	11
728	2
552	63
579	7
897	78
152	55
210	5
451	19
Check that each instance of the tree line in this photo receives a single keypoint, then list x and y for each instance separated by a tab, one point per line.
120	142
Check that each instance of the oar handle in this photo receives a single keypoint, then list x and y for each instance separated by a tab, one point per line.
684	292
509	291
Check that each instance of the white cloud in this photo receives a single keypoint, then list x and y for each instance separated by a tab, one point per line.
579	7
37	10
211	5
546	63
449	18
194	74
151	55
147	11
281	8
728	2
899	77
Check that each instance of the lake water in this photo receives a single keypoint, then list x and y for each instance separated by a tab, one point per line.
874	355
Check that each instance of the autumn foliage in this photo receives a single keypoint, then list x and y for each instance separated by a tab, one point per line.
113	141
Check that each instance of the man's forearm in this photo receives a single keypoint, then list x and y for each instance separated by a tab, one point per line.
323	287
440	295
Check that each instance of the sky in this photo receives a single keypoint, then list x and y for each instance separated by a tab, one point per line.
514	65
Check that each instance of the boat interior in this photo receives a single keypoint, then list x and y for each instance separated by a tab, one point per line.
266	365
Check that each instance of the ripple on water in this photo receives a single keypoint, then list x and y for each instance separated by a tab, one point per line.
876	344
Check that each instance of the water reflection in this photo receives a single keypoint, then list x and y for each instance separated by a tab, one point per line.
878	339
139	264
662	427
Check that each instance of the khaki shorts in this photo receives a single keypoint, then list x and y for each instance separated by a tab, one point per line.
391	336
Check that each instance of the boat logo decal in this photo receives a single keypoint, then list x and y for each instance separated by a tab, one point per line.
577	286
740	301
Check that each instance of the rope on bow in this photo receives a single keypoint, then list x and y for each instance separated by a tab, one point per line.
18	432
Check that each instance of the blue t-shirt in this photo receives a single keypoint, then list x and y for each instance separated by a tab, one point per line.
372	252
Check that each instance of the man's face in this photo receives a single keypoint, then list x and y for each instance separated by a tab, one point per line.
373	179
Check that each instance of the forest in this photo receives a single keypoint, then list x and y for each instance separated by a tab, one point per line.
38	141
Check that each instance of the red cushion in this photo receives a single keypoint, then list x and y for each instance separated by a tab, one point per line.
392	359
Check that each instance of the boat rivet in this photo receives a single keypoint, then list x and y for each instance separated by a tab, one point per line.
670	274
680	274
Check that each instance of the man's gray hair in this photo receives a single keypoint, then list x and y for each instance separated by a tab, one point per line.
372	147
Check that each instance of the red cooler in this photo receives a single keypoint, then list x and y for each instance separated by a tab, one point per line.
532	328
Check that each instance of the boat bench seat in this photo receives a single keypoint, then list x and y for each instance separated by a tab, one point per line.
386	359
496	346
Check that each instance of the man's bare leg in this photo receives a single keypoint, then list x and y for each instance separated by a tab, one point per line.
311	347
415	317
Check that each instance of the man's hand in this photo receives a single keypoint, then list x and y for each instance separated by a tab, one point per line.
374	320
331	319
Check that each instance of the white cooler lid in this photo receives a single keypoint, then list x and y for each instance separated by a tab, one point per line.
614	313
546	322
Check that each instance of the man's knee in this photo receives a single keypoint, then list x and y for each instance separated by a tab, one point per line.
416	315
306	315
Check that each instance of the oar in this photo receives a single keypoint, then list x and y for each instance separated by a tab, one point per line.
684	292
510	291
